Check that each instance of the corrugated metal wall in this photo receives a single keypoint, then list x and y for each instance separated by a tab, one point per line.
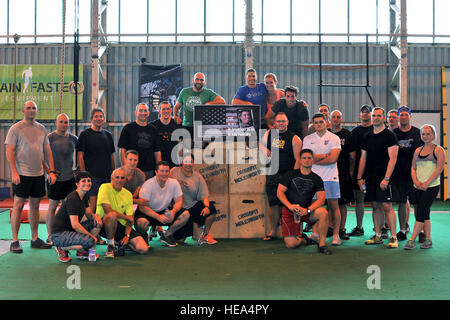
224	66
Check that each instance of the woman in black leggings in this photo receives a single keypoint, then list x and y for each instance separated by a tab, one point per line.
427	165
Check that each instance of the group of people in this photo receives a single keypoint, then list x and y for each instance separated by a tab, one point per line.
156	185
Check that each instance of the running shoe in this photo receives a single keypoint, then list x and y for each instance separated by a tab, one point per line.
168	241
409	245
427	244
63	255
39	244
15	247
357	232
109	252
208	239
393	243
374	240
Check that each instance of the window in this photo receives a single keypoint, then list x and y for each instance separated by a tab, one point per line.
277	19
219	19
21	20
363	19
44	25
305	19
442	25
190	15
334	19
4	21
133	20
419	20
161	20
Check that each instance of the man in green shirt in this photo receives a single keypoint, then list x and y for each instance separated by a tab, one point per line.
115	207
192	96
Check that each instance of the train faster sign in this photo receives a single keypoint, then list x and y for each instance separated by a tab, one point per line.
42	84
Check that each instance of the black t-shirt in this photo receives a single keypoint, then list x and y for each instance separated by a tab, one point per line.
164	132
357	137
296	115
71	206
301	188
376	146
408	142
97	147
144	140
343	162
283	143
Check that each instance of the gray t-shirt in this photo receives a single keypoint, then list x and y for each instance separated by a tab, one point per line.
160	198
194	187
29	141
136	180
63	148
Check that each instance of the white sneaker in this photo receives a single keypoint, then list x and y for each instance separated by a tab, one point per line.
336	241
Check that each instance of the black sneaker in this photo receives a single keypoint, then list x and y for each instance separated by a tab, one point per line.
15	247
422	237
39	244
401	236
357	232
168	241
384	233
343	235
324	250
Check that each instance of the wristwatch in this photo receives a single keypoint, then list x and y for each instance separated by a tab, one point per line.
386	178
308	211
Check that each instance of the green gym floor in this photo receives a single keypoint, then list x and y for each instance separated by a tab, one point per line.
235	269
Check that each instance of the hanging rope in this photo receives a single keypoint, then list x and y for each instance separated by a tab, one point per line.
62	56
16	39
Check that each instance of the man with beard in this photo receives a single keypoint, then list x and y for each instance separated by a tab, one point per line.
192	96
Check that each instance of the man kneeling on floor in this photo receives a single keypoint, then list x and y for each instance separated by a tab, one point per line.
161	192
67	231
115	207
296	192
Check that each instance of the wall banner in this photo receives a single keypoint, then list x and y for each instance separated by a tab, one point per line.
40	83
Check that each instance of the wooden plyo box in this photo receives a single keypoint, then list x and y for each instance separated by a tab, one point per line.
216	177
248	215
246	179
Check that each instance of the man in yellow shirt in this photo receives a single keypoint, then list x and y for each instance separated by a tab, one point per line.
115	207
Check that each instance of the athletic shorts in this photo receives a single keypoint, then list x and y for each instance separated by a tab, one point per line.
403	190
375	194
188	229
30	187
96	183
346	189
290	228
73	238
332	190
60	189
120	232
153	222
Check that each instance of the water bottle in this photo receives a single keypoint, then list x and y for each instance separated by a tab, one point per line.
92	254
167	213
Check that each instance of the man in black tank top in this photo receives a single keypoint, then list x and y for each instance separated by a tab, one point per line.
283	147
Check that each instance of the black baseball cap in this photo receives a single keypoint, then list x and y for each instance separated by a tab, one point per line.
366	107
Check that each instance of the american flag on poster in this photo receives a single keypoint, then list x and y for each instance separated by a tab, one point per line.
221	120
